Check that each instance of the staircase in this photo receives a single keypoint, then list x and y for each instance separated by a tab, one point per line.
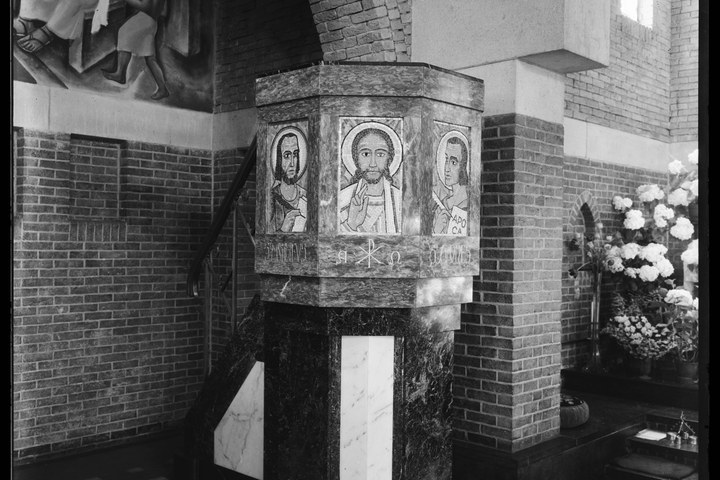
225	371
649	458
216	285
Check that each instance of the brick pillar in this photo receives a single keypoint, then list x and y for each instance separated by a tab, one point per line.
507	375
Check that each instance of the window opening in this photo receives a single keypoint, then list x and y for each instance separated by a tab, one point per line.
640	11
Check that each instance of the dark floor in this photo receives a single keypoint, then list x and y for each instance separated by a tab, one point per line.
154	459
146	460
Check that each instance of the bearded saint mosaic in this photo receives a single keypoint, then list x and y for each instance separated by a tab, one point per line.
450	184
370	196
287	163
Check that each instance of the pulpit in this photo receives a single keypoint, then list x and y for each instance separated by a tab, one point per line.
367	241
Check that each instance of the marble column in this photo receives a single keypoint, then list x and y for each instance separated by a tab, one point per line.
367	241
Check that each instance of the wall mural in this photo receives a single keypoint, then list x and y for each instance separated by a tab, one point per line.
450	196
371	155
155	50
287	163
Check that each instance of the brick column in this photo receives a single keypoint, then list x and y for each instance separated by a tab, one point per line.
507	375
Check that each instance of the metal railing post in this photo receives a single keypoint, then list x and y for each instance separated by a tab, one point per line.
234	269
207	350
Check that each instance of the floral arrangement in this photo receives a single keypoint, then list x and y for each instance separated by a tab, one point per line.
640	338
650	316
638	252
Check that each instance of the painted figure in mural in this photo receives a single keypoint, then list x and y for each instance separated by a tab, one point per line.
371	203
60	18
450	213
289	200
137	37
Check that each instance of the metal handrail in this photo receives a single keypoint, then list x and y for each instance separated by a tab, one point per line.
226	207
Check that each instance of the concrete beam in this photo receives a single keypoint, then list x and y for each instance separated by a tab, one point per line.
560	35
517	87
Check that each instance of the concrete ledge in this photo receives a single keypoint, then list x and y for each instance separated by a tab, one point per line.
604	144
233	129
53	109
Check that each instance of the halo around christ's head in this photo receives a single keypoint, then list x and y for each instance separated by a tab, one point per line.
346	148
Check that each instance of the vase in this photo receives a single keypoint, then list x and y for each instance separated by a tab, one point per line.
641	367
644	368
687	372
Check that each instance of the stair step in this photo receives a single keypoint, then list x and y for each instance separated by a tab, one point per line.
635	466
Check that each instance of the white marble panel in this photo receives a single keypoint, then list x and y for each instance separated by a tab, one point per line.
239	435
366	408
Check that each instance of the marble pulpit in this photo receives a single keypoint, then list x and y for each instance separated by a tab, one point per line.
367	241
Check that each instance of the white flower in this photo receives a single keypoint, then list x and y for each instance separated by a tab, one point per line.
683	229
621	203
634	220
630	250
631	272
615	264
648	273
648	193
675	167
653	252
690	255
691	186
679	196
662	214
679	296
696	303
665	267
663	211
693	157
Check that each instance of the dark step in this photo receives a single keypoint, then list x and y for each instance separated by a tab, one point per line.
635	466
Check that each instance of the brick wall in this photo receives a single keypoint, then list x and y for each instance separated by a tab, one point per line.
633	93
684	70
260	37
107	344
255	37
507	375
364	30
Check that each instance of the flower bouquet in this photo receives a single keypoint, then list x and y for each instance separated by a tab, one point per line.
638	331
650	317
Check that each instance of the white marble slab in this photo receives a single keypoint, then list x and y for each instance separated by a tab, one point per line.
239	435
366	408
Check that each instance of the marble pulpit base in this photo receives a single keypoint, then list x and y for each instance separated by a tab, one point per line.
356	394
